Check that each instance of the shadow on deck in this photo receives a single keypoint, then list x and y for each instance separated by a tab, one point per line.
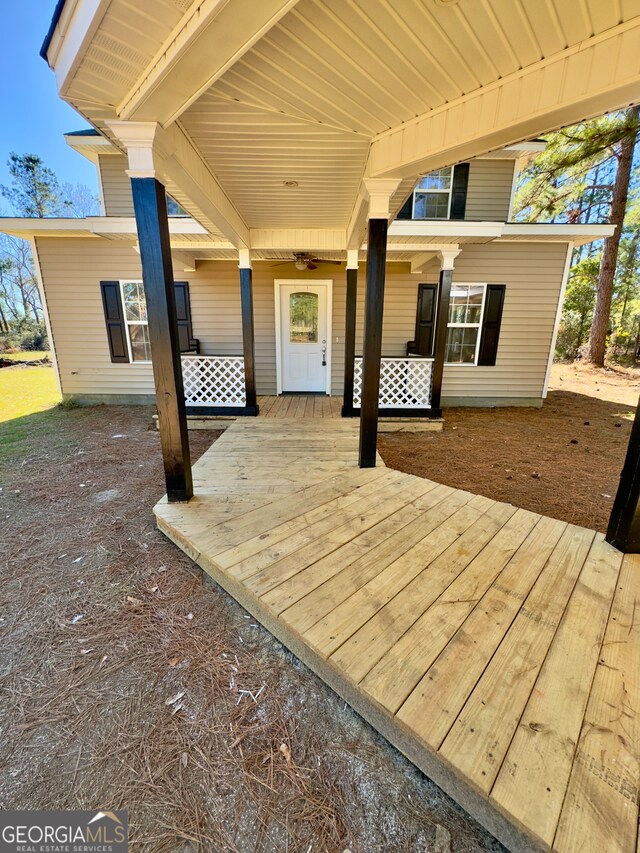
498	649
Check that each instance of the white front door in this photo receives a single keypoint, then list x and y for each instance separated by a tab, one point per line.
305	336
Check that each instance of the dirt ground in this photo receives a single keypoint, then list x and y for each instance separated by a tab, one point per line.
129	679
563	460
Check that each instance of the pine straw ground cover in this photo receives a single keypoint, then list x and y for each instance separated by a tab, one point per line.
129	679
563	460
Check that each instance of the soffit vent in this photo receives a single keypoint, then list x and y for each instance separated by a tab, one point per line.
183	5
114	48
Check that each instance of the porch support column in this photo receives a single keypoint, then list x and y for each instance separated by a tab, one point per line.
447	258
379	193
150	206
623	531
350	332
248	344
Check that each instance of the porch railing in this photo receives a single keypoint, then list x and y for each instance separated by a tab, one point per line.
213	380
405	383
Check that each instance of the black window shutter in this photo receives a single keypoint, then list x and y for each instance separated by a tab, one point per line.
406	211
426	319
459	191
183	314
114	319
491	325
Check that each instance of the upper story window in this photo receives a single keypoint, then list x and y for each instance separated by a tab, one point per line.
175	209
432	195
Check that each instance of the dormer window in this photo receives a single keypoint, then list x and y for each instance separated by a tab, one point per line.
432	195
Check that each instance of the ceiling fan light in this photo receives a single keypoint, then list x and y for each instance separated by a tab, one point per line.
301	265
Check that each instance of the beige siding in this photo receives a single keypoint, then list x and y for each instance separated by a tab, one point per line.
489	190
488	193
72	271
116	186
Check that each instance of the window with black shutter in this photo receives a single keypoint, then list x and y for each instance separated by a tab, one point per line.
438	195
425	321
491	322
459	186
125	314
183	314
114	319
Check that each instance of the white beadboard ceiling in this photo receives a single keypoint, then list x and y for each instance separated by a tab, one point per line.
304	103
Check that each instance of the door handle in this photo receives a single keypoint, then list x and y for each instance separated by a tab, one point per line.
324	353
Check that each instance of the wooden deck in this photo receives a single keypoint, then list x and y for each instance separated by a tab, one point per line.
300	406
496	648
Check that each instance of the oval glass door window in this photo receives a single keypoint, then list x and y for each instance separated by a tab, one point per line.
303	318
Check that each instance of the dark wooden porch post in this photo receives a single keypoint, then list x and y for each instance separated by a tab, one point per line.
248	345
444	295
150	205
350	332
372	348
623	531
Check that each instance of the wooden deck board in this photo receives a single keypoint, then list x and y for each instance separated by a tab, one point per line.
602	796
533	779
483	730
498	649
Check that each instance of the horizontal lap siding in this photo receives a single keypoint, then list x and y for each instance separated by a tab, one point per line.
73	269
533	276
116	186
489	190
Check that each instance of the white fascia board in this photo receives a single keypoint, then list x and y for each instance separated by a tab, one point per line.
27	228
91	146
447	228
91	226
495	230
556	231
77	25
127	224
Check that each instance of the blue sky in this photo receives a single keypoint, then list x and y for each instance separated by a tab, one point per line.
34	118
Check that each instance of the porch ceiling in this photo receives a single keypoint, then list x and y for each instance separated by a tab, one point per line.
322	92
304	103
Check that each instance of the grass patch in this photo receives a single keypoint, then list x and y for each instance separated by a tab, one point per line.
26	391
26	355
28	408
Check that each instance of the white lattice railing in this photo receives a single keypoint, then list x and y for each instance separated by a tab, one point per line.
213	380
405	383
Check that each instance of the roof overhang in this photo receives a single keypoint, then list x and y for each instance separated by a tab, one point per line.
257	95
404	238
91	144
110	227
423	233
273	111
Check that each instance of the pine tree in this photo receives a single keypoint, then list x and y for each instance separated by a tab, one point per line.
623	151
34	192
583	176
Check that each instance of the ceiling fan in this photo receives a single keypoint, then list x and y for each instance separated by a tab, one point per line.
305	261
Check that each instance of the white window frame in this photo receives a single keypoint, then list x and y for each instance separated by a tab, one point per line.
128	323
442	192
477	325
